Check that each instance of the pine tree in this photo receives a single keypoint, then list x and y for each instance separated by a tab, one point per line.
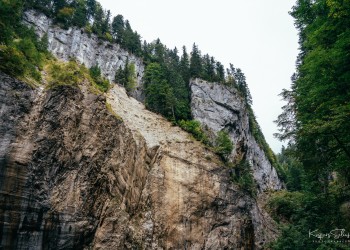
91	9
58	5
209	68
118	27
99	17
196	67
80	16
106	22
185	65
220	72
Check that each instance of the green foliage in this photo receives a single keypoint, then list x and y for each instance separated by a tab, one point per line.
259	137
243	175
131	78
10	16
194	127
283	205
74	74
301	212
319	99
237	78
291	170
127	76
223	144
159	94
64	74
196	66
101	82
80	16
42	44
21	58
315	119
12	61
21	54
64	16
95	71
110	110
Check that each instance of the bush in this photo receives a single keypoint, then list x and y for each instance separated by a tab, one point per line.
126	76
12	61
284	204
101	82
194	127
64	16
244	177
65	74
223	145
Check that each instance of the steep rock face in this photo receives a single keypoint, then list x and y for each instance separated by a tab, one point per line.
76	176
220	107
61	167
86	48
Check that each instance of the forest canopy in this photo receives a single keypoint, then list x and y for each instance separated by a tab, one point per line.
316	122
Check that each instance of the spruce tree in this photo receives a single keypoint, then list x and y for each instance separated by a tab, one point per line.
185	65
196	67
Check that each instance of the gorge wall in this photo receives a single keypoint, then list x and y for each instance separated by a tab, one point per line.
85	171
78	175
219	107
214	105
86	48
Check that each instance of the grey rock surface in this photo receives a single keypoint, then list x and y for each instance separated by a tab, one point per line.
219	107
86	48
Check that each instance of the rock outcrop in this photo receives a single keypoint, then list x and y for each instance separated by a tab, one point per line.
77	173
86	48
218	107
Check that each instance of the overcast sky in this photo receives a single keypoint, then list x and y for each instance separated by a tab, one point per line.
257	36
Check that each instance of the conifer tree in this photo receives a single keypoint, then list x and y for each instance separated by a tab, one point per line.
118	27
196	67
185	65
80	16
91	8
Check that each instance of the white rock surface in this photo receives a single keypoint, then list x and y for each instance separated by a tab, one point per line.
87	49
218	107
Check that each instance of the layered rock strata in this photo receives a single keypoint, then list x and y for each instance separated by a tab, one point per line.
77	173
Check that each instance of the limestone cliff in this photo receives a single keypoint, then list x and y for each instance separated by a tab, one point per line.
214	105
86	48
86	171
220	107
77	175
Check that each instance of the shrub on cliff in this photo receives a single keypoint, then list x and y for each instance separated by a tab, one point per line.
244	177
12	61
64	74
223	145
101	82
126	76
194	127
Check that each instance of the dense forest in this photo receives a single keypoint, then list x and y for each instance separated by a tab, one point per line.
316	122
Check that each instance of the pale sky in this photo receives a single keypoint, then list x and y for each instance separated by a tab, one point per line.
257	36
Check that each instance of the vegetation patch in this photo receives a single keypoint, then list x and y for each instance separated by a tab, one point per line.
61	73
194	127
223	145
127	76
98	80
242	174
110	110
